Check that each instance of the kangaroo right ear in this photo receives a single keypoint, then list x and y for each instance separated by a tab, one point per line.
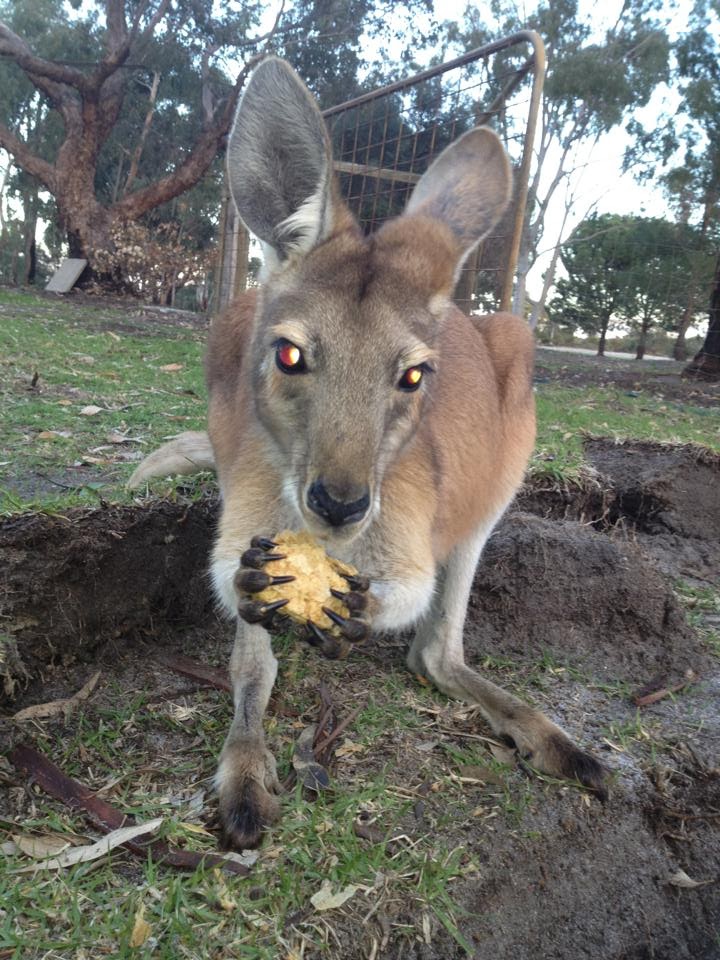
467	188
279	161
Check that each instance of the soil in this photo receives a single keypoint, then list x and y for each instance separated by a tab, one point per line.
660	377
573	602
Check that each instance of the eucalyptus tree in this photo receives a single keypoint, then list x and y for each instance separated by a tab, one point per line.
683	152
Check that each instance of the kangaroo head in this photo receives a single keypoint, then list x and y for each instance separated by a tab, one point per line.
344	353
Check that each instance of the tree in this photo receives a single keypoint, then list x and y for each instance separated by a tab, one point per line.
666	265
89	99
594	292
693	184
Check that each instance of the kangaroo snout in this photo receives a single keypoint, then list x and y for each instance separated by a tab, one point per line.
338	508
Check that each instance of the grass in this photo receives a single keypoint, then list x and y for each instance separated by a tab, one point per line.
408	879
56	361
567	414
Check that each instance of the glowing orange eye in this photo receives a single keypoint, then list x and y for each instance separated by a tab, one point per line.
411	379
289	358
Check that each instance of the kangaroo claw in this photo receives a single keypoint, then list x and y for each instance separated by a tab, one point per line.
353	630
256	557
355	602
330	647
250	580
357	582
253	612
263	543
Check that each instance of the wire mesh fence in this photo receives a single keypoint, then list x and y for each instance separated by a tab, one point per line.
386	139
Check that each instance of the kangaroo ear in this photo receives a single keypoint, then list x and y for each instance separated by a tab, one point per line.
467	188
279	161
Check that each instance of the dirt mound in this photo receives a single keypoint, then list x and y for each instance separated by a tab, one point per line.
664	497
588	600
70	583
661	488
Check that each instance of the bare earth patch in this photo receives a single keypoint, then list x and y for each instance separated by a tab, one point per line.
574	607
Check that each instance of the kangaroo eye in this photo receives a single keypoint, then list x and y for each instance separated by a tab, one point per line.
411	379
289	358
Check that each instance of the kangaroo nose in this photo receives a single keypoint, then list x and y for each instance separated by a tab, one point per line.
336	512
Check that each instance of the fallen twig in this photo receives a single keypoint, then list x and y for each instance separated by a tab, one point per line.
108	818
41	711
198	671
642	699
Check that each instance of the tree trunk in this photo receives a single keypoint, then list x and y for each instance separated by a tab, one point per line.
705	365
642	339
603	337
680	347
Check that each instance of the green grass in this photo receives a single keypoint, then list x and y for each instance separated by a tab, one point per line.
55	456
567	414
208	913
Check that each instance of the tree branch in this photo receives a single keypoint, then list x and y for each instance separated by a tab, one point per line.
26	159
17	49
194	165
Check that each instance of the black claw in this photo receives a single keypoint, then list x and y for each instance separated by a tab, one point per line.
263	543
252	581
253	612
275	605
276	581
256	558
353	630
355	602
315	636
356	582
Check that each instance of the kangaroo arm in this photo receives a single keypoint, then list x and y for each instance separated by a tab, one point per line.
190	452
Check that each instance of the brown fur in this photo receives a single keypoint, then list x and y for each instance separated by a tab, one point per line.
439	464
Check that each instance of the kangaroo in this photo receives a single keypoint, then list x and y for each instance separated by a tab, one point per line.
349	397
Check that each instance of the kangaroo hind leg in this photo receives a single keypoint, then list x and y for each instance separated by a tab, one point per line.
437	653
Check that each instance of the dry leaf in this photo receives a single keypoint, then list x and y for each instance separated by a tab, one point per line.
681	879
480	773
94	851
91	410
141	928
248	858
41	847
172	367
325	899
41	711
347	747
311	774
116	437
53	434
195	828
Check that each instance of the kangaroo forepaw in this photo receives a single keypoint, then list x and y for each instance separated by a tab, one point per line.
331	619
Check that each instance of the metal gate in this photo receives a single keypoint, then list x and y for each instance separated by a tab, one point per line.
384	141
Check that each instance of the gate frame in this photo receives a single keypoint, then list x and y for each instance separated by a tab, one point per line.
234	238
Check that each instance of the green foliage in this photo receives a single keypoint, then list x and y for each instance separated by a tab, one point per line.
630	271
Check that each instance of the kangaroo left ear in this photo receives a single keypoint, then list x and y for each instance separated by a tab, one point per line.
467	188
